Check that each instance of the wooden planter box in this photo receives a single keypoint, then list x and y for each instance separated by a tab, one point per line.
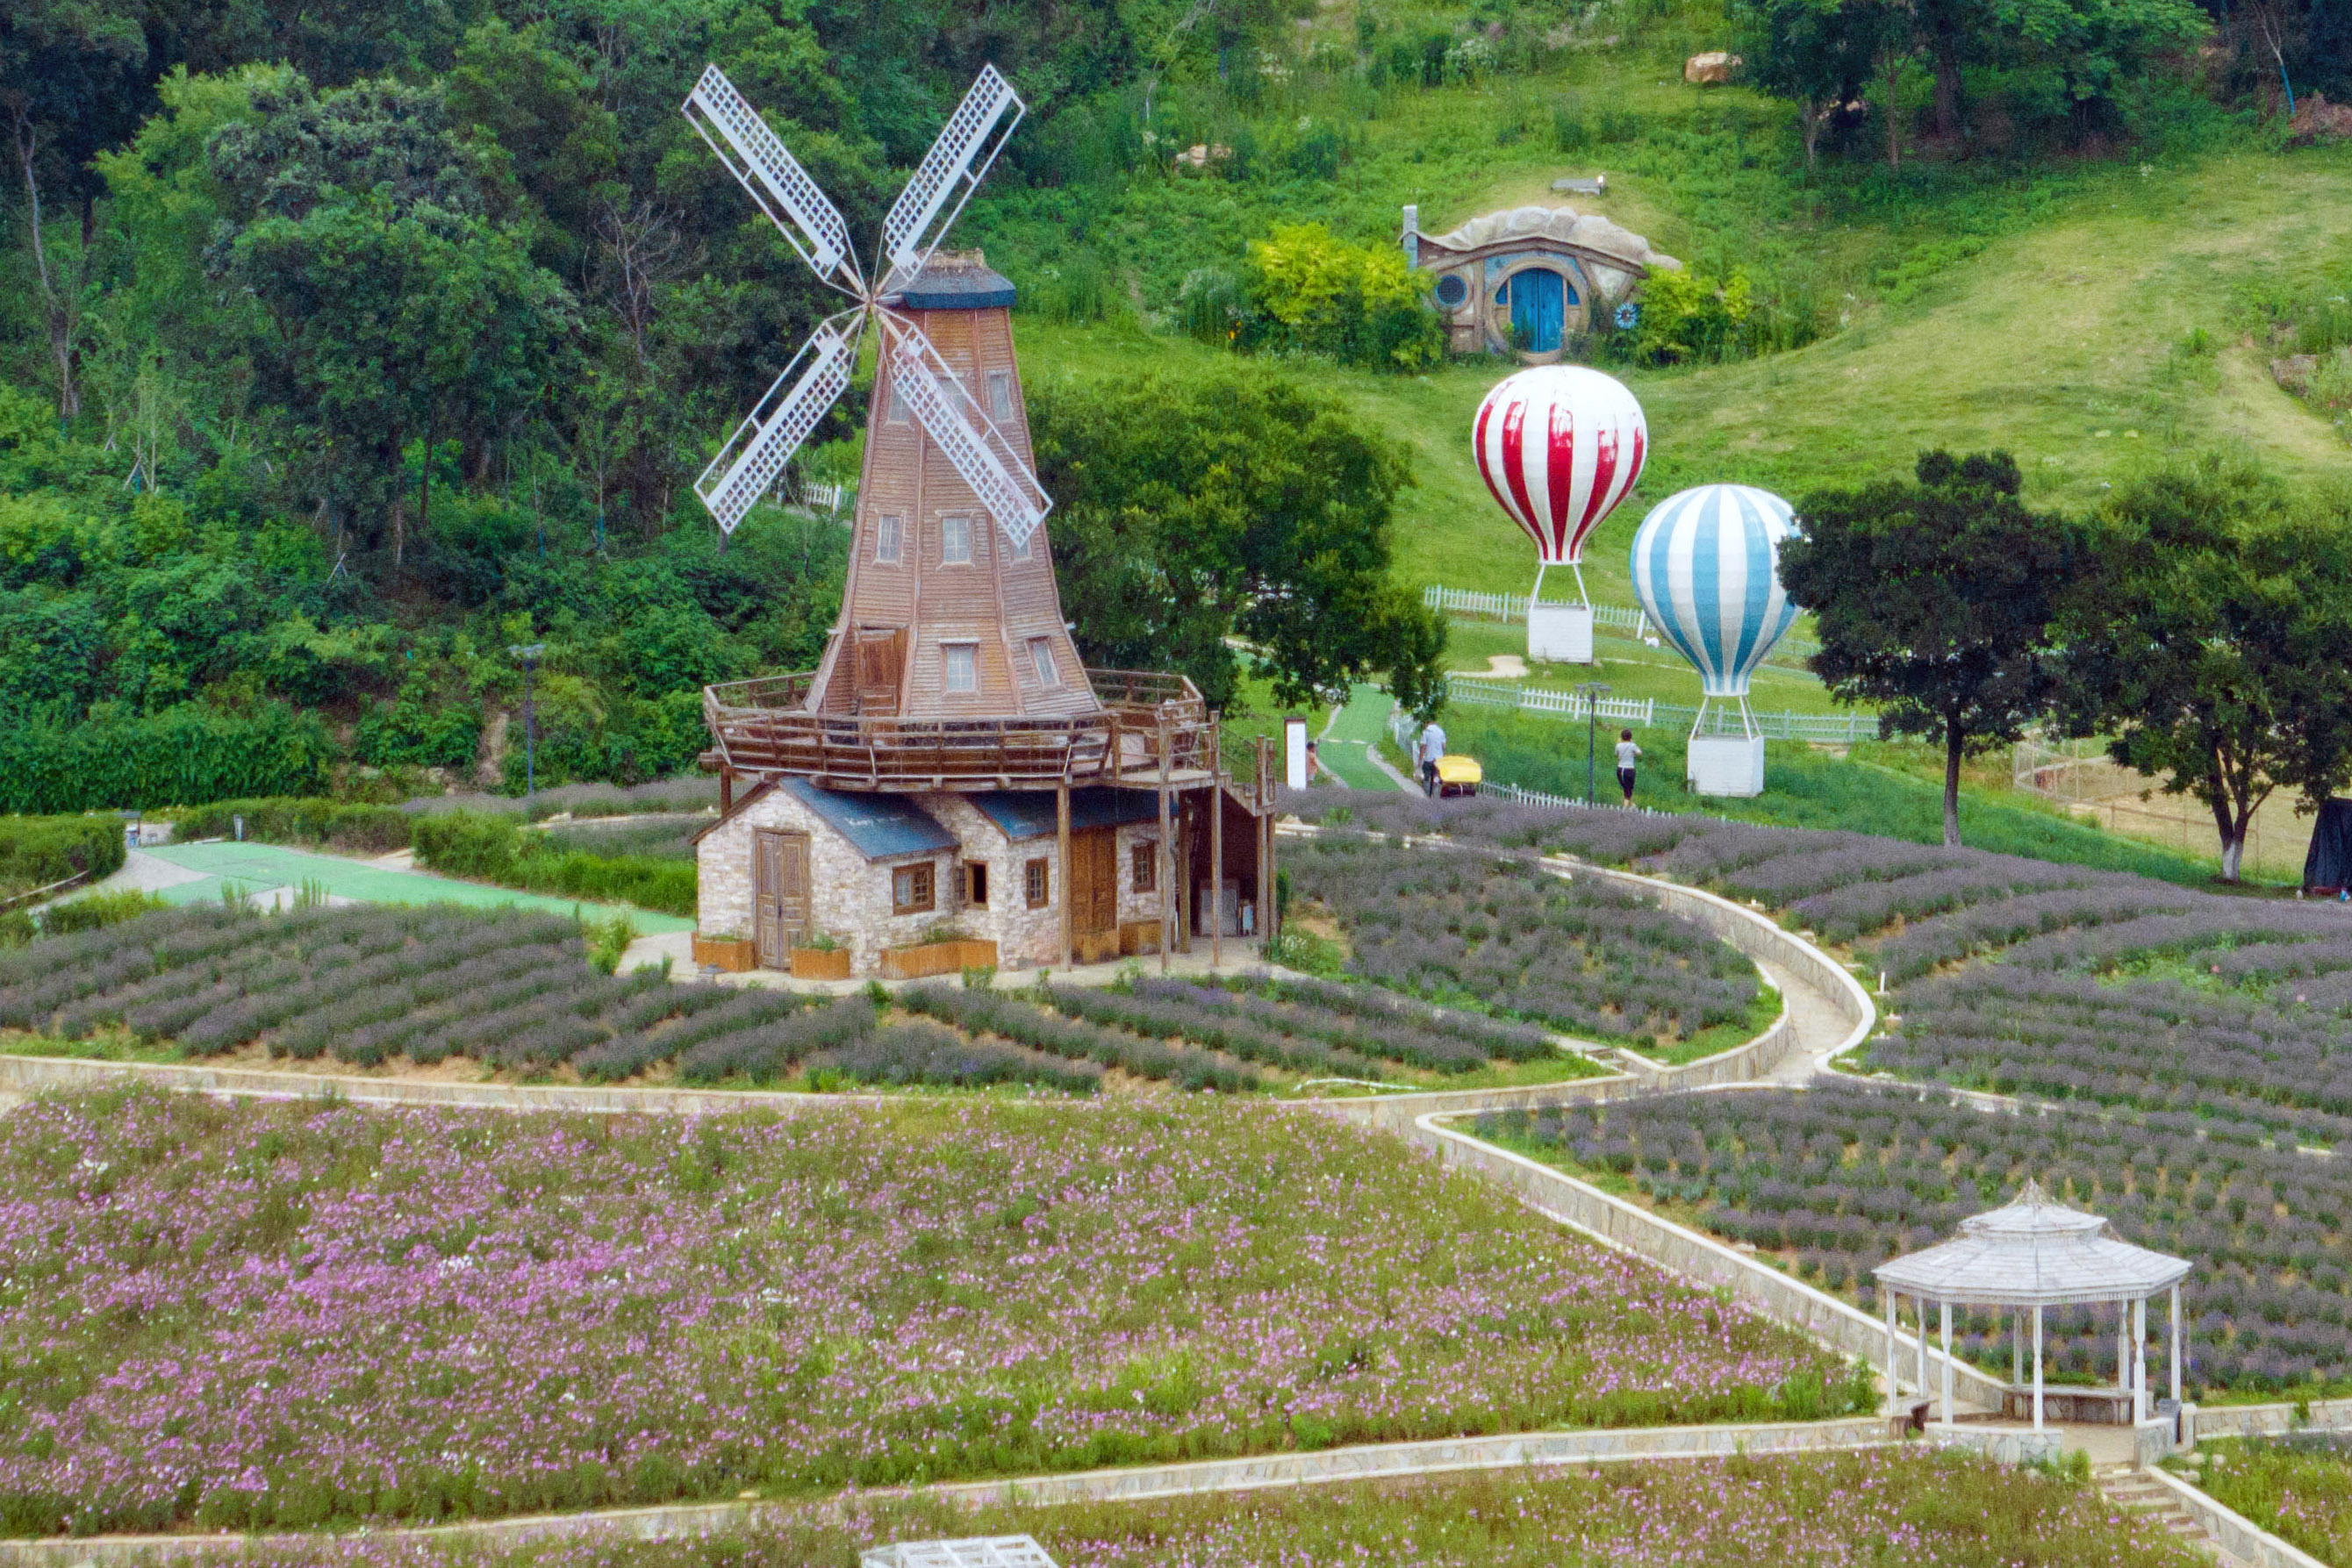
734	954
1138	936
820	963
926	959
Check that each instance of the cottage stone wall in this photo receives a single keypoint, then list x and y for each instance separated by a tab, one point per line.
850	896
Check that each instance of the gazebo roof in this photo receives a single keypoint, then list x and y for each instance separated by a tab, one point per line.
2032	1252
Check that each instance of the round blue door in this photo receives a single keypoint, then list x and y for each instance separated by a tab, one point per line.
1538	304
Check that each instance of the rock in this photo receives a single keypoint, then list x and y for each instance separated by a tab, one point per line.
2317	120
1596	186
2295	371
1711	70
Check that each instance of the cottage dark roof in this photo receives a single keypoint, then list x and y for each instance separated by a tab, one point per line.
877	826
1029	813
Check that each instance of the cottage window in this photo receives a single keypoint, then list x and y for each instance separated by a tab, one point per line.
1452	291
1145	859
975	883
1000	395
962	666
887	533
1035	882
896	407
914	890
955	541
1041	656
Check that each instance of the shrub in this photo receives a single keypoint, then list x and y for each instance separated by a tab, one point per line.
375	830
1361	305
37	850
95	911
497	849
184	756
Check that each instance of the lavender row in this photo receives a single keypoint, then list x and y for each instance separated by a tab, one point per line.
1076	1040
1837	1179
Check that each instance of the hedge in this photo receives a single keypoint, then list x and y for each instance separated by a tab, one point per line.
494	848
302	820
37	850
184	755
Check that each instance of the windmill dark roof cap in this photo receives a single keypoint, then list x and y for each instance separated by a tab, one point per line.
956	285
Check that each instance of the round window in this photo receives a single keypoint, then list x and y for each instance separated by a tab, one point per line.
1452	291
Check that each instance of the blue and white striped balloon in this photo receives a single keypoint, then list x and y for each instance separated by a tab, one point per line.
1707	568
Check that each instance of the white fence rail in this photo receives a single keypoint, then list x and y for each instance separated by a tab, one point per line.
1828	728
1626	618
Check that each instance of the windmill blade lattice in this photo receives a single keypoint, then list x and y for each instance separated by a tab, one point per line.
756	453
762	164
968	438
954	167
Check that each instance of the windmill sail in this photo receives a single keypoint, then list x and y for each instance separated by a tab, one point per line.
748	465
969	441
760	161
951	170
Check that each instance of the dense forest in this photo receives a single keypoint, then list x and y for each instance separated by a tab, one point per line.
342	347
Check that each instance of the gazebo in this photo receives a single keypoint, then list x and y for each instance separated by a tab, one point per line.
2034	1253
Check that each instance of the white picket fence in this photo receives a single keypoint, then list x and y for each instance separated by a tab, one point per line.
1829	729
1635	622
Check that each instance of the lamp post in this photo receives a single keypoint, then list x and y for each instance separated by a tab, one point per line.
529	652
1593	692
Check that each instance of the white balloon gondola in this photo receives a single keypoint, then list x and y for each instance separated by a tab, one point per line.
1706	569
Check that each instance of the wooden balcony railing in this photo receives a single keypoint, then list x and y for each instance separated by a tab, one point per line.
1151	724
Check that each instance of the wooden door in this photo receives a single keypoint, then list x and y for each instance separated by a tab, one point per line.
881	666
780	895
1094	881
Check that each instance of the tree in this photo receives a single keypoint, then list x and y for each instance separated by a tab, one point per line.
1191	512
1936	599
2213	642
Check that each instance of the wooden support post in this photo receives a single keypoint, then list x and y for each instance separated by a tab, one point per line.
726	789
1166	857
1062	862
1216	850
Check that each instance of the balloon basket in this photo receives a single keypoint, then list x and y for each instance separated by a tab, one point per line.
1560	634
1730	765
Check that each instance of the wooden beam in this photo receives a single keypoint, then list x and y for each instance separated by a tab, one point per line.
1062	841
1216	850
1167	859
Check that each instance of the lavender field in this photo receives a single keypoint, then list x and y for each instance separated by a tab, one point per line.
1837	1511
243	1316
1577	955
1833	1180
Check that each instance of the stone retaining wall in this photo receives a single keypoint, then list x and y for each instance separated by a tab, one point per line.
2234	1534
1365	1462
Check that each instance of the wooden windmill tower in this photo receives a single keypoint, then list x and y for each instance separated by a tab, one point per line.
951	677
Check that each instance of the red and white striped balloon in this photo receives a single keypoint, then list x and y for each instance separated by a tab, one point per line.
1560	445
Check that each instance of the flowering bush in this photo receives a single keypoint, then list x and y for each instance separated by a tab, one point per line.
240	1316
2299	1488
1838	1178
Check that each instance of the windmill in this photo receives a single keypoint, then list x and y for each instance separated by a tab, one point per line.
918	220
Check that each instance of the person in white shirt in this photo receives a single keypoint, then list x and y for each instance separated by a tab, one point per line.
1628	754
1433	746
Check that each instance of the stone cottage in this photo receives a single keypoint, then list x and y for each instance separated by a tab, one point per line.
1528	279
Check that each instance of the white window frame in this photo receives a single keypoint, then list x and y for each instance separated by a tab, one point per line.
1000	395
890	540
950	526
1028	549
948	651
1042	660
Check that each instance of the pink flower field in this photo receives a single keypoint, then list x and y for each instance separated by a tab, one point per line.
232	1315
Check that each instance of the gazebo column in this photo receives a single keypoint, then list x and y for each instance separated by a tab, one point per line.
1943	1311
1894	1382
2016	1347
2037	1367
2123	1348
2174	1335
2139	1359
1923	1345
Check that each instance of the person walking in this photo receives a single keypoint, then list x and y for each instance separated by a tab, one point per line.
1628	756
1431	748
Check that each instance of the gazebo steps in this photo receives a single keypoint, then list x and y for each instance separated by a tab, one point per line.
2128	1487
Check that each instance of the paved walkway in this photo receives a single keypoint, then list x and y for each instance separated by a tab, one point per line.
273	873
